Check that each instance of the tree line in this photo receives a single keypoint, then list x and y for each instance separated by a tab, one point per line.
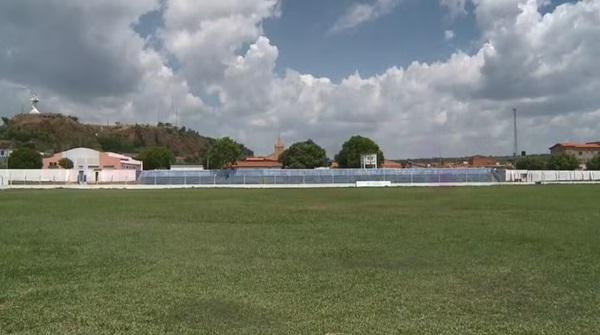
301	155
562	162
225	152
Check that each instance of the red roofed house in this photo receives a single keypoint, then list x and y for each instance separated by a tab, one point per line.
482	162
263	162
391	165
584	152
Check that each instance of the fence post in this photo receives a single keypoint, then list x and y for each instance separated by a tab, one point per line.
275	180
244	179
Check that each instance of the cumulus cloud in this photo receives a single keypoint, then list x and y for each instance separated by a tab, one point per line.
543	64
456	8
360	13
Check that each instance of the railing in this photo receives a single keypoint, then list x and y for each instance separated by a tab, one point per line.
333	176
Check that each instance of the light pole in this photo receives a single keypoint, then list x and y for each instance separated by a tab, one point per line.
516	139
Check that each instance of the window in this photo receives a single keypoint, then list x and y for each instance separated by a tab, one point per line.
580	153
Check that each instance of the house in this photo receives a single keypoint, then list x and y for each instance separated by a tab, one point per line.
263	162
584	152
482	161
89	159
391	165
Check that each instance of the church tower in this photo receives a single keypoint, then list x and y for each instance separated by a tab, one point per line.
279	147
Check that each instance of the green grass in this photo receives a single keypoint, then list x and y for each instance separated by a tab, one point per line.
507	260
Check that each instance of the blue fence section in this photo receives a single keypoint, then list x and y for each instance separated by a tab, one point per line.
333	176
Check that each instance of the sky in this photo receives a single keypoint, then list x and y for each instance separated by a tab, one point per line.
423	78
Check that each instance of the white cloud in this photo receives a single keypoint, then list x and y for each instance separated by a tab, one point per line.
546	65
456	8
449	35
360	13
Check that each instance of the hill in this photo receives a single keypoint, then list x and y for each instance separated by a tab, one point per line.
55	132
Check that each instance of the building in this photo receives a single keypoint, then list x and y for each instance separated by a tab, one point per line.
391	165
584	152
88	159
482	162
263	162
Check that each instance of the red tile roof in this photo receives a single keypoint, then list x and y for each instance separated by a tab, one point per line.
391	165
257	163
590	146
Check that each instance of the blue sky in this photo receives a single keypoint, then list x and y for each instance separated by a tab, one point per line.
414	31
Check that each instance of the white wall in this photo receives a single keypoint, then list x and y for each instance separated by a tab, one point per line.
61	176
551	176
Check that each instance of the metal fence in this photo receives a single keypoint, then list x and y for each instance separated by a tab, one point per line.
333	176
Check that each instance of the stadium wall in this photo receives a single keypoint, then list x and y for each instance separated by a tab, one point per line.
550	176
65	176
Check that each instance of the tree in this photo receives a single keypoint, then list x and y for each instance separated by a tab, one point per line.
532	163
304	155
594	164
25	158
224	153
65	163
563	162
157	158
349	156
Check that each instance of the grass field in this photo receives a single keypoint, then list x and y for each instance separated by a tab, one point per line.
507	260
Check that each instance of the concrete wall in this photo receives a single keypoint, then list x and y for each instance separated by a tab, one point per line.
61	176
551	176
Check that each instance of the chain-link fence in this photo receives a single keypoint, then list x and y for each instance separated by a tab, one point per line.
332	176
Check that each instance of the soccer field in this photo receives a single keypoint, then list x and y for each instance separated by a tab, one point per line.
497	260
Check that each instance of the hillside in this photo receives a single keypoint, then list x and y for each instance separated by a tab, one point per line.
54	133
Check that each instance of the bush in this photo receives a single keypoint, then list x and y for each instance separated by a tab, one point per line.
65	163
594	164
116	144
533	163
25	158
563	162
157	158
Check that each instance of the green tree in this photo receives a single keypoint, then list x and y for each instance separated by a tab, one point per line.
65	163
532	163
25	158
563	162
594	164
224	153
304	155
157	158
349	156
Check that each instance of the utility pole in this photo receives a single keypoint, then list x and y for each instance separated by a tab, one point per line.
516	138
